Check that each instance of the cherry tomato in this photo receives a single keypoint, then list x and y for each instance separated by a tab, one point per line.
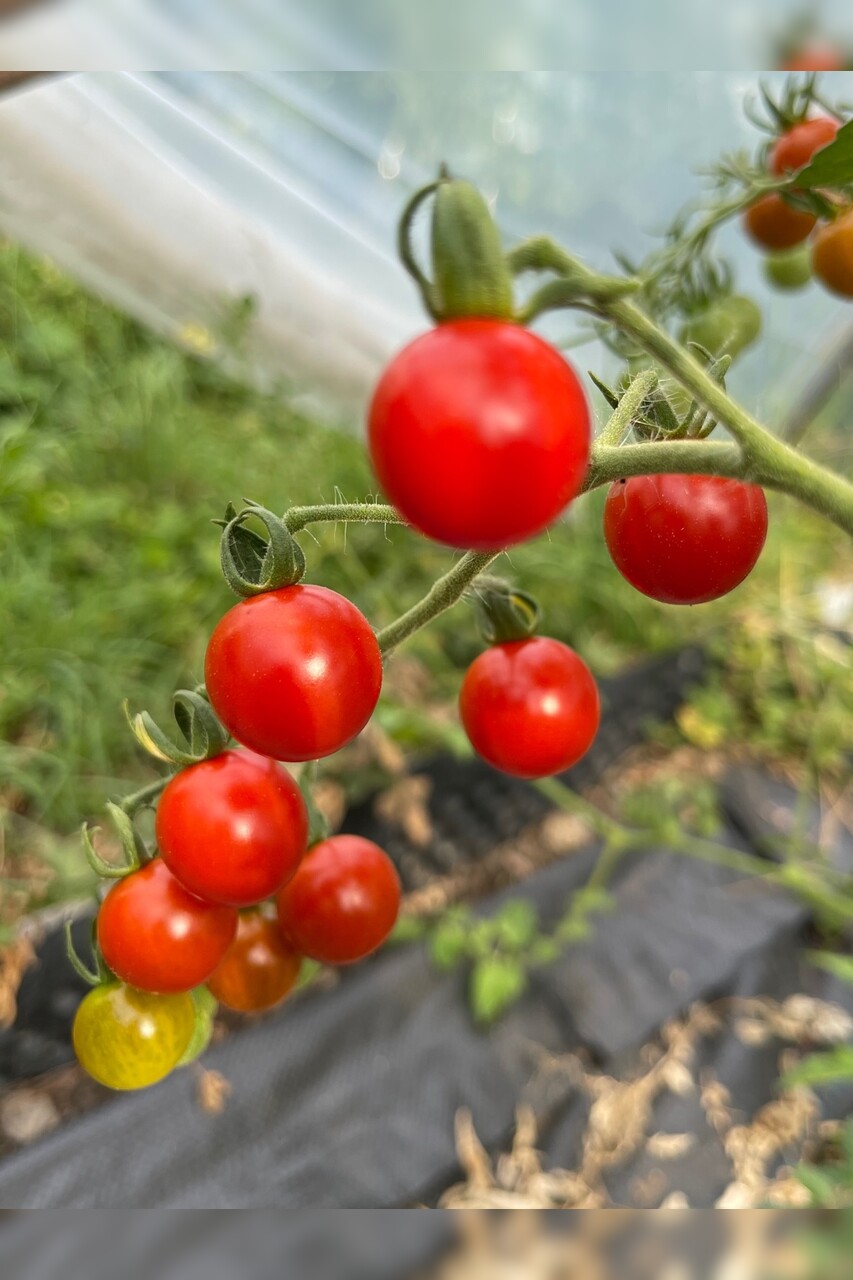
795	148
791	269
294	674
156	935
343	901
684	539
129	1039
774	224
232	829
259	968
726	327
479	433
819	56
832	255
530	707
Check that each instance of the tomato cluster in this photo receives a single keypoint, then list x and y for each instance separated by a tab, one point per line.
295	672
797	243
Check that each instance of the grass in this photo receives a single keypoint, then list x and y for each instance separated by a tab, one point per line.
117	449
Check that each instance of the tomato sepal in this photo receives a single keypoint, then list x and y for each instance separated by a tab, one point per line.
503	612
252	564
202	731
205	1006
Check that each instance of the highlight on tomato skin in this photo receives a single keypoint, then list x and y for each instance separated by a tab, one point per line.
232	829
343	901
509	411
128	1039
259	969
157	936
294	674
530	707
685	539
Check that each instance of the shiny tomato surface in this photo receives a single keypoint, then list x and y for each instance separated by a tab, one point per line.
479	432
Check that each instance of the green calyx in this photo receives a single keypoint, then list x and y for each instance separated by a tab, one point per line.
253	564
503	613
470	275
201	735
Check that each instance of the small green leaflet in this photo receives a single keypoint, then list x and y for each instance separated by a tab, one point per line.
833	165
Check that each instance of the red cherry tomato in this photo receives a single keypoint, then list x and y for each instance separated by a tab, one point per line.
684	539
774	224
819	56
530	707
479	433
796	147
259	968
343	901
832	255
157	936
294	674
232	829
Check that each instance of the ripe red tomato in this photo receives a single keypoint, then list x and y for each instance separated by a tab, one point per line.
684	539
259	968
479	433
796	147
774	224
232	829
832	255
294	674
343	901
530	707
157	936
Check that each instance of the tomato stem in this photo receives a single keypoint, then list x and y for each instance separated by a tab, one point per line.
348	512
441	596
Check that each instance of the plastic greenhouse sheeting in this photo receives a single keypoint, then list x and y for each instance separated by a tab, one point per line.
177	192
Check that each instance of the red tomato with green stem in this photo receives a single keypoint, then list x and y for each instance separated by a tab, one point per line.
259	969
232	829
156	935
479	432
294	674
343	901
530	707
684	539
796	147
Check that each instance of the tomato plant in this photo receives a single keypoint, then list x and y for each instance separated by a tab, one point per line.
796	146
774	224
259	968
294	674
232	829
128	1039
343	901
832	255
480	433
530	707
463	412
684	539
157	936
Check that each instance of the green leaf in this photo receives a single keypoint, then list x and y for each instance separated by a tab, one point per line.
450	939
817	1183
841	966
496	983
517	923
832	166
408	929
823	1068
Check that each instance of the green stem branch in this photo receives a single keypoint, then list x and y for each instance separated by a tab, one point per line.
441	596
350	512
